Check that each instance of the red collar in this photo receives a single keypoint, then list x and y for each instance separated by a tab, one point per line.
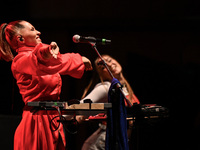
24	48
30	48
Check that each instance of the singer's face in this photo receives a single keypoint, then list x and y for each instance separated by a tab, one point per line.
30	36
113	66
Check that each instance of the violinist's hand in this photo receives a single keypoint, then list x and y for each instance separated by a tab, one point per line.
54	49
88	64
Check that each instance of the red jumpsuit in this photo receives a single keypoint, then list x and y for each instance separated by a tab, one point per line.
39	79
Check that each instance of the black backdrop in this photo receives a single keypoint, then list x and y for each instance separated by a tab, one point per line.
157	43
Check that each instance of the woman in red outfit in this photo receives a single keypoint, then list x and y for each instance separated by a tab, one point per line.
37	68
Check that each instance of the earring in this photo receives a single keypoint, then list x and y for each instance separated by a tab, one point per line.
21	39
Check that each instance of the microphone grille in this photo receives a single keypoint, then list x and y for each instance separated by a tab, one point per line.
76	38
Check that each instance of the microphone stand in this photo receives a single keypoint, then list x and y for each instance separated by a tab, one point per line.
93	44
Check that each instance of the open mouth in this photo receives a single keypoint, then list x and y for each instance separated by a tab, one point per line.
38	38
112	67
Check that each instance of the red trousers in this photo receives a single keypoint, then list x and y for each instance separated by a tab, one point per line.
34	132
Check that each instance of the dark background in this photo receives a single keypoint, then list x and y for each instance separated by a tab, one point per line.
157	43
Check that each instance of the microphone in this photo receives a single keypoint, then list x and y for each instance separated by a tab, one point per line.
81	39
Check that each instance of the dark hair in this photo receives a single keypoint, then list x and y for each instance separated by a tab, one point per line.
8	41
94	80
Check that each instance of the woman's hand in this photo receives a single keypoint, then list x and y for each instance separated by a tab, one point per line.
80	118
88	64
54	49
49	51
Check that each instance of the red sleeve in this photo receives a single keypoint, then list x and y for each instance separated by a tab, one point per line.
32	62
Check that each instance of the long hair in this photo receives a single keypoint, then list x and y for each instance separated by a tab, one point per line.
94	80
98	78
8	42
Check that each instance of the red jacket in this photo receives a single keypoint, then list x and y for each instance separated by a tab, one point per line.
39	79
